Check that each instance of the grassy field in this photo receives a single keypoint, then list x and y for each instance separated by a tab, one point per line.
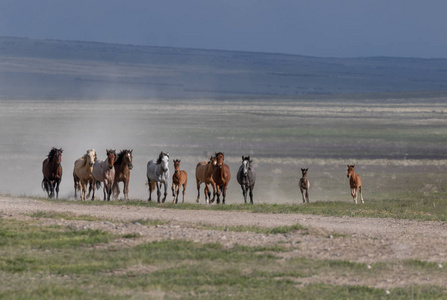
60	262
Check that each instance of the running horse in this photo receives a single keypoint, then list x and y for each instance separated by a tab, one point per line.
355	182
246	177
52	172
179	178
123	165
221	176
204	173
82	172
104	171
158	174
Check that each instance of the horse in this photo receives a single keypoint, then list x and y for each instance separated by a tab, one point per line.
204	173
179	178
355	182
52	172
304	185
221	176
246	177
82	172
123	165
104	171
158	174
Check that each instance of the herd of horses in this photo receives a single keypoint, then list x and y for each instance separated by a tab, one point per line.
89	172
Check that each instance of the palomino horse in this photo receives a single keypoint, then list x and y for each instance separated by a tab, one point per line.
304	185
158	174
246	177
123	165
221	176
179	178
204	173
82	172
355	183
52	172
104	171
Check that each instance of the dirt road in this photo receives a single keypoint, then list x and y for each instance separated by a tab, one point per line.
363	240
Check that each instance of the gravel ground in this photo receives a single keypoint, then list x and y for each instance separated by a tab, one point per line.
363	240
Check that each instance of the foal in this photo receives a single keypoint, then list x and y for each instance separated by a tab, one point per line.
179	178
356	184
304	184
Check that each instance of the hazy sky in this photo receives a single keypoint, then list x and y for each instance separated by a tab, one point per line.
341	28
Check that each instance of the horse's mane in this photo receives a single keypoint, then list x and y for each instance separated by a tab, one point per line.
161	156
119	160
51	154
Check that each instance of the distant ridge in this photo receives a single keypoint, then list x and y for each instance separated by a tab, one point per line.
54	69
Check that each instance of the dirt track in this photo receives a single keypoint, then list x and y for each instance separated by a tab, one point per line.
365	240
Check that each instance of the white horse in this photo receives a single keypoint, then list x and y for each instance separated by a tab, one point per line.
104	171
158	174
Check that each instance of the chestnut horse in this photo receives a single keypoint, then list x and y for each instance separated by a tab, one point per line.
355	183
104	171
123	165
204	173
179	178
82	172
246	177
304	185
221	176
158	174
52	172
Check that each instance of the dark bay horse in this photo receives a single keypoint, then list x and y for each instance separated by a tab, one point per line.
158	174
221	176
179	178
104	171
246	177
355	182
123	165
304	185
52	172
204	173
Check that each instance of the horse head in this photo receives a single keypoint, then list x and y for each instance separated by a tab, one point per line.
350	170
304	171
91	157
219	159
163	160
128	158
58	156
246	163
111	156
177	165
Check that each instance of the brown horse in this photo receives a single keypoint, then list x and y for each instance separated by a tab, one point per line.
355	183
82	172
304	185
179	178
221	176
123	165
104	171
204	173
52	172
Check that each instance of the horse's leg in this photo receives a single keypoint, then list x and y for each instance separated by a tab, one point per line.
158	191
307	195
166	191
215	191
302	194
183	193
355	191
206	192
198	190
176	196
150	189
224	192
244	192
57	189
92	187
251	194
126	189
218	188
361	194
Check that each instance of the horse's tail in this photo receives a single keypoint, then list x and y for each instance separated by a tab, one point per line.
42	185
98	184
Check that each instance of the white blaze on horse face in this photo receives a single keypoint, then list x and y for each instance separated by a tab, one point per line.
165	163
245	163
